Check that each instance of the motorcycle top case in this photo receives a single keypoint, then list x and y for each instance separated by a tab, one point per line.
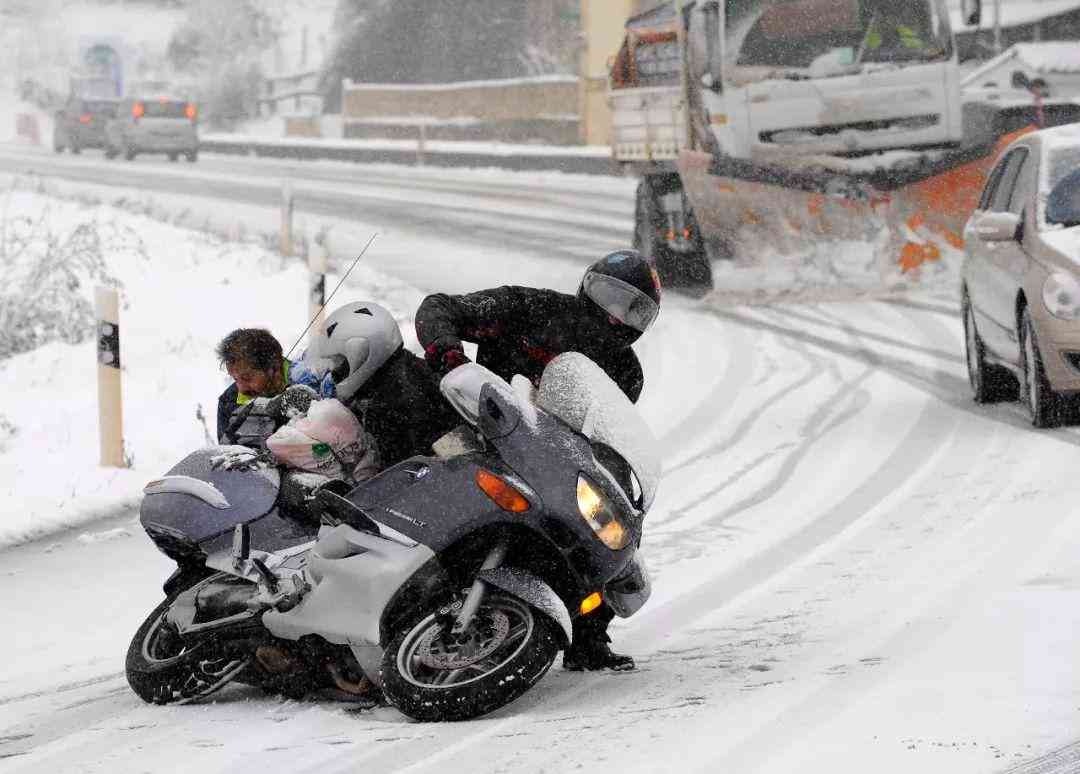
250	494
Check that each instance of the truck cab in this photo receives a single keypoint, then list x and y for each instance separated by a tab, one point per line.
757	79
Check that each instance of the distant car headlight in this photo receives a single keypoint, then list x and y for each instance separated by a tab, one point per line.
1061	296
599	514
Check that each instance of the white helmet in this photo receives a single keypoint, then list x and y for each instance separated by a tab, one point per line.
354	343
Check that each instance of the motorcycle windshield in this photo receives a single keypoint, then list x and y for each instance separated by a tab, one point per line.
580	393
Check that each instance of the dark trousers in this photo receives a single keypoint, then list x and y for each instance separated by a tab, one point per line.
593	627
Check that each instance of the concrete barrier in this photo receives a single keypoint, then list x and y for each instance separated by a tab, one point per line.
576	159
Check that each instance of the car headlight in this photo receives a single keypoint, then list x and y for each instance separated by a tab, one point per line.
1061	296
599	514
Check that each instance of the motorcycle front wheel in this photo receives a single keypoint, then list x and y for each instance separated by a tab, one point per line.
430	674
162	668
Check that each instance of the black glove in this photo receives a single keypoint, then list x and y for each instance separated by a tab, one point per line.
445	354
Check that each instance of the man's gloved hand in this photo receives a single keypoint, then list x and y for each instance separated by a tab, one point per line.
445	354
294	402
241	459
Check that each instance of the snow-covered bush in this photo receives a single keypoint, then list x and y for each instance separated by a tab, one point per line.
49	275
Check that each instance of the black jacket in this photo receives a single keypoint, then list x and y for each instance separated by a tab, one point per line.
519	330
402	408
226	405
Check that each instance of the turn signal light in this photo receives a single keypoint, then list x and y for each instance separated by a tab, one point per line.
591	602
503	495
189	111
138	110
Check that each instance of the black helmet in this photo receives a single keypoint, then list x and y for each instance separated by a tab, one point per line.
625	285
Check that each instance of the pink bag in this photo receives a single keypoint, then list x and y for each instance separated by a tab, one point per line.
329	440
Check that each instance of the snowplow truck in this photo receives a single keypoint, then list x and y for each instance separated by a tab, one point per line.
766	128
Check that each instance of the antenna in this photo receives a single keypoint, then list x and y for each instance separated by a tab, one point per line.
335	290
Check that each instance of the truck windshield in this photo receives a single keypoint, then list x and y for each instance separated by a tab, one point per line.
820	38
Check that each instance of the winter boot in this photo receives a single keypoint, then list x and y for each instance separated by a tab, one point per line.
594	653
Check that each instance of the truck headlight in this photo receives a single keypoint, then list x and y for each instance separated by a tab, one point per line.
1061	296
600	515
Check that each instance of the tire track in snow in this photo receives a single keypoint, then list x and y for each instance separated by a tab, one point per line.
827	320
752	417
648	628
941	385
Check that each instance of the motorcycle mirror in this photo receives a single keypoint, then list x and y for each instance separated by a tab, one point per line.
241	543
498	416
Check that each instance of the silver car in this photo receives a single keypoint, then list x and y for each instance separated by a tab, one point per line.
1021	277
159	124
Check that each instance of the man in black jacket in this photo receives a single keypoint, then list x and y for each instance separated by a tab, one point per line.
520	330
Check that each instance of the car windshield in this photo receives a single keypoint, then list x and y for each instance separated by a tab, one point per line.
1062	206
814	38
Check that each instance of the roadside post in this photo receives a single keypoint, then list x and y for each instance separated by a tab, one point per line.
318	266
286	219
110	402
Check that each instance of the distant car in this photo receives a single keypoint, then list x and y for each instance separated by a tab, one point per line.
81	123
158	124
1021	277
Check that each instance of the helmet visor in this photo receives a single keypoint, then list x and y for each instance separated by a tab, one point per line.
621	300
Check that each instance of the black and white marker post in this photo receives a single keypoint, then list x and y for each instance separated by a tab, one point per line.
318	265
110	403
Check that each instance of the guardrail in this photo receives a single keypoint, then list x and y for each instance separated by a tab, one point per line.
589	160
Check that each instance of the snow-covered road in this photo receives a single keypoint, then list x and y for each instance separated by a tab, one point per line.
855	568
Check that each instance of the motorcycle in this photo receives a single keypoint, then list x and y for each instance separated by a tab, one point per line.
449	582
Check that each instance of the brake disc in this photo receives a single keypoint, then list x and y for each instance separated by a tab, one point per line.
439	650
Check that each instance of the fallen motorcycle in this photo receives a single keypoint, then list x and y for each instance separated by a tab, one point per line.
449	582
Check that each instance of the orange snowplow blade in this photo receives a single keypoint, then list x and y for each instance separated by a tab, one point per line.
901	229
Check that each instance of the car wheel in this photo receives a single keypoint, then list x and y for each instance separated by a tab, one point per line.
193	156
989	383
1043	404
174	157
75	149
129	153
110	152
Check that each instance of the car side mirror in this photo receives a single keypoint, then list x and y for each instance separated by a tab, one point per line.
998	227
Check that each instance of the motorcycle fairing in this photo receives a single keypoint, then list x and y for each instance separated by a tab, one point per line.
249	494
627	593
354	575
579	392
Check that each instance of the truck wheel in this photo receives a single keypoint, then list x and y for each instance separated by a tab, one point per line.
689	271
193	156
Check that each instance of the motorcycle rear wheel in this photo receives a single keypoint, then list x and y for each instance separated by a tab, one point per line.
432	677
163	669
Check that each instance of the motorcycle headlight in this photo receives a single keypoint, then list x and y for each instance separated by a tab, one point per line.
1061	296
600	515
